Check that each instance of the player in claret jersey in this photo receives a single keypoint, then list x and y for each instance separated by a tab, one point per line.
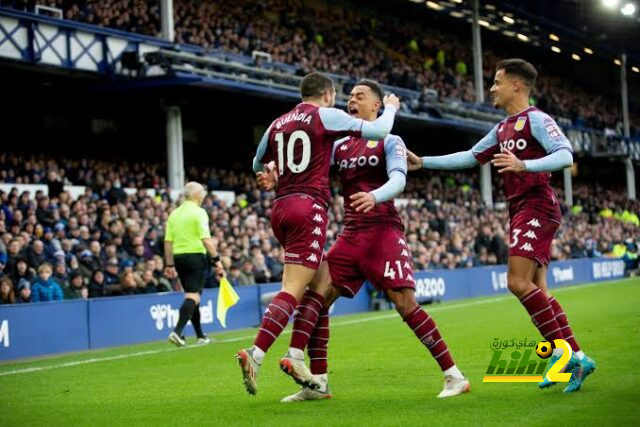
300	144
525	147
372	246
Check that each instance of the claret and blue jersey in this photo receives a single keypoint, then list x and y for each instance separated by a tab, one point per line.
530	134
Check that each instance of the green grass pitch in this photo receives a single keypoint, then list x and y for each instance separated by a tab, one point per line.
379	374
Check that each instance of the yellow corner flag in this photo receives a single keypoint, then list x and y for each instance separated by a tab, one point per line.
227	298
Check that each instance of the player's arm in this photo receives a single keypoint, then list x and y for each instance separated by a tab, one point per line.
396	160
478	154
546	131
338	121
262	148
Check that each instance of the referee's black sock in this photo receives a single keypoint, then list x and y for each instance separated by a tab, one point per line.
186	312
195	321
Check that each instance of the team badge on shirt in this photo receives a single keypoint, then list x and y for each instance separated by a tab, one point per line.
372	144
520	123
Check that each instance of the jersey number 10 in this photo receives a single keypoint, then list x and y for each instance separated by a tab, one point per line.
296	136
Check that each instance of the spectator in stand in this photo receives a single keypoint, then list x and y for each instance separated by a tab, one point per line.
45	288
76	288
97	286
246	276
88	264
234	276
13	253
7	294
35	254
148	284
24	292
55	185
60	275
260	271
22	272
111	273
129	285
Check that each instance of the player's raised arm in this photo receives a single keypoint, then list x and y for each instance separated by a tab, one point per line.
342	123
555	143
396	159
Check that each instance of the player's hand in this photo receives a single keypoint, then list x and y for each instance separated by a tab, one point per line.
268	179
170	272
363	202
414	162
506	161
391	99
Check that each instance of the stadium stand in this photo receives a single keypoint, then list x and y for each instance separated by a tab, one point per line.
339	39
112	239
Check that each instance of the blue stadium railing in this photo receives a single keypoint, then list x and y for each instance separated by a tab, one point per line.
28	330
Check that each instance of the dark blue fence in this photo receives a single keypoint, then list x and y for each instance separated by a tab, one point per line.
56	327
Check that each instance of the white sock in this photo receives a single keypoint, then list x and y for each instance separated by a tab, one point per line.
296	353
454	372
580	355
557	352
258	354
322	377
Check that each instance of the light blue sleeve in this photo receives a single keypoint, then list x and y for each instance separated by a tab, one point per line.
484	149
547	132
392	188
338	121
262	147
557	160
396	159
459	160
395	153
335	145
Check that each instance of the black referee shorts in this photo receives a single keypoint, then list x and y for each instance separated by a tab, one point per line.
191	270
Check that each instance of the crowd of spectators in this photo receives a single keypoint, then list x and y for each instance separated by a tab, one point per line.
108	242
343	40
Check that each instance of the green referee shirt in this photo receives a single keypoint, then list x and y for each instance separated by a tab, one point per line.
186	227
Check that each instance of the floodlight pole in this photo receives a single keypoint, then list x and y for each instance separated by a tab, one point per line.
485	170
166	11
631	174
175	150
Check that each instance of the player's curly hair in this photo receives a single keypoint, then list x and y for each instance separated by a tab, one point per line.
314	85
373	85
520	68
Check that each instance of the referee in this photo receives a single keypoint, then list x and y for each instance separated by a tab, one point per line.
186	243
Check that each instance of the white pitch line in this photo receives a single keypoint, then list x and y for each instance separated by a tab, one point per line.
228	340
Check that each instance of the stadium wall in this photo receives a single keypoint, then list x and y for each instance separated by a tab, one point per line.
58	327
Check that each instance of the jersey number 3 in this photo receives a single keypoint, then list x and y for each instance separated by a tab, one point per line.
296	136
